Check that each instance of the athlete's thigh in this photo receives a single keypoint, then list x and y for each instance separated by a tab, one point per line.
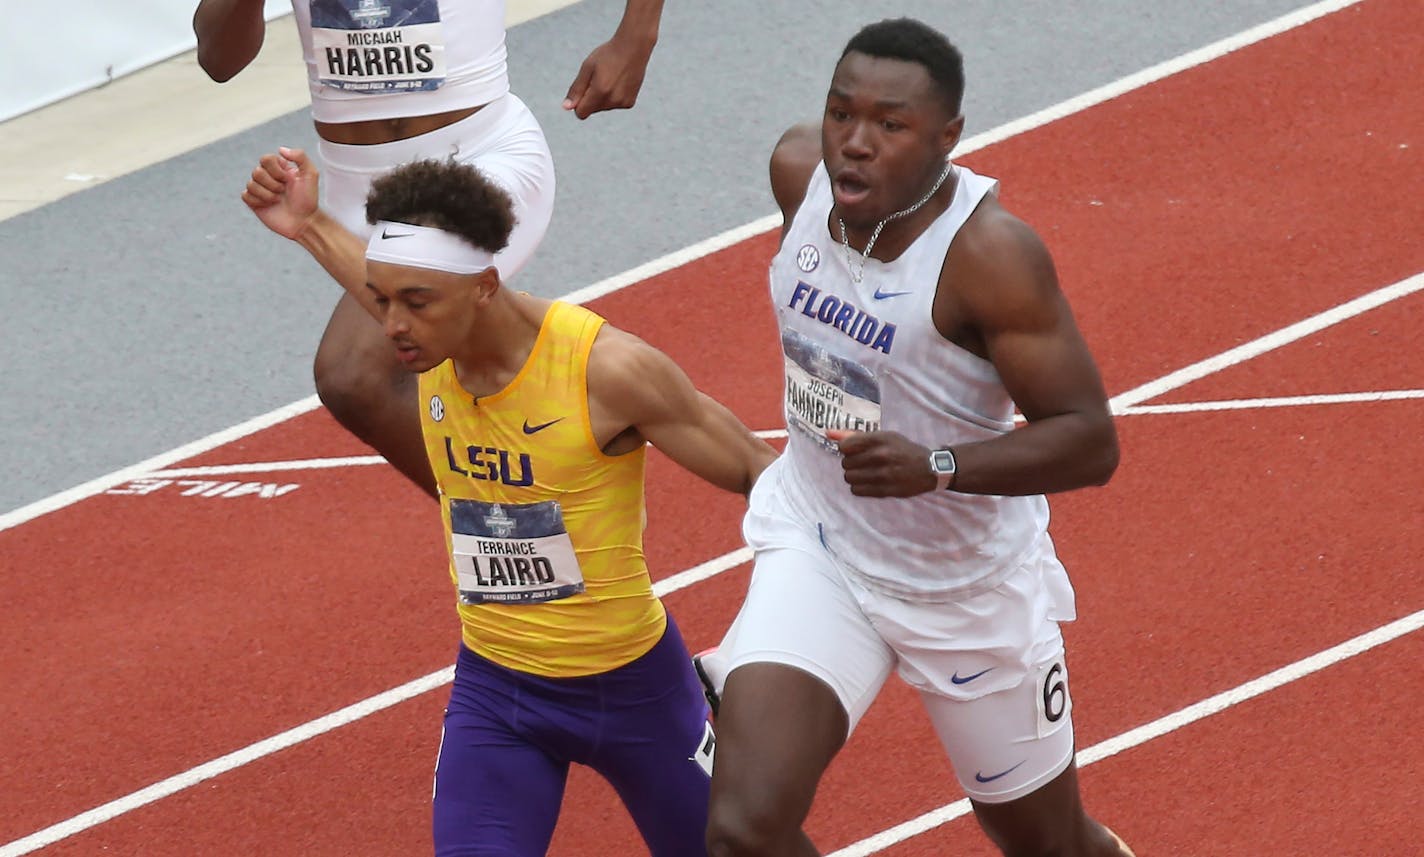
805	665
496	795
801	610
656	747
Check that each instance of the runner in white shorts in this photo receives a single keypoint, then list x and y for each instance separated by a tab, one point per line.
905	526
402	80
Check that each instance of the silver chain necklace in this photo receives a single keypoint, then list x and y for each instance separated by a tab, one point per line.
858	274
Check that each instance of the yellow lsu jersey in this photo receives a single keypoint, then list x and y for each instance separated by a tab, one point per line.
544	531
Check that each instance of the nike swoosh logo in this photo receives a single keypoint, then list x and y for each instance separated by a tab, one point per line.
528	429
958	679
386	235
880	296
980	778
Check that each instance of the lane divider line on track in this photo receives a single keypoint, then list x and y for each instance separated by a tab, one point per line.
1159	727
1269	342
726	239
311	729
1275	402
146	467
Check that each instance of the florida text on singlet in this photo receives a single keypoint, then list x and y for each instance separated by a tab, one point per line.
382	59
544	530
867	356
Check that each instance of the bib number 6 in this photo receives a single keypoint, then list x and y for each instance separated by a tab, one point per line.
1053	700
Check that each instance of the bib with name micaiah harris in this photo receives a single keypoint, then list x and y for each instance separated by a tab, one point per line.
545	531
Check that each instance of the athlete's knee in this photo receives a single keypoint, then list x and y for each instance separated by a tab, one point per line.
356	384
341	384
739	828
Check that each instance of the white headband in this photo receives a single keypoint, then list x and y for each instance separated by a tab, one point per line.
424	247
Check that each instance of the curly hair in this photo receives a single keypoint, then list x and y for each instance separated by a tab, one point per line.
917	42
444	195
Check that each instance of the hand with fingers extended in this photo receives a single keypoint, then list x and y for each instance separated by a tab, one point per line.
610	78
282	192
883	464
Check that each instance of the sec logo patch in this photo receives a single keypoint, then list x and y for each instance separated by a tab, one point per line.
807	258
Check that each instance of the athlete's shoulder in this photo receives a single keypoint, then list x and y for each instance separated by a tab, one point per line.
796	156
632	379
618	358
1000	268
997	244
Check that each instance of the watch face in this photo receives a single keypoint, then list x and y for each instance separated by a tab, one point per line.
943	461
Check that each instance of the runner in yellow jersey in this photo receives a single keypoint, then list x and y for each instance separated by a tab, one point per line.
536	415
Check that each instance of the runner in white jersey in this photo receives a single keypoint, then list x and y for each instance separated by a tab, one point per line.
905	526
396	81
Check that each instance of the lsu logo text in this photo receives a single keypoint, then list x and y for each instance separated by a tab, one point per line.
490	464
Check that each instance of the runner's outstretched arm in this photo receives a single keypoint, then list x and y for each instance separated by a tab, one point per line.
282	192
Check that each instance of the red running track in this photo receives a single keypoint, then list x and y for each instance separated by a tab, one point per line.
150	633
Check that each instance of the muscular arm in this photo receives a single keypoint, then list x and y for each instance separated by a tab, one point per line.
999	289
230	34
633	385
1009	296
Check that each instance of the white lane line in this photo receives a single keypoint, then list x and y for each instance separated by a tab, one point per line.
1269	342
1274	402
268	466
306	731
1159	727
732	236
157	462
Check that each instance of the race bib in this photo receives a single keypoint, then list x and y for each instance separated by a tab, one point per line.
1054	704
512	553
378	46
825	391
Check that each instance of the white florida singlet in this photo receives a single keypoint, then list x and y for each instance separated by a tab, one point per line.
384	59
866	356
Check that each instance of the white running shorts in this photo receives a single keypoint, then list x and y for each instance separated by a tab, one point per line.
989	669
502	139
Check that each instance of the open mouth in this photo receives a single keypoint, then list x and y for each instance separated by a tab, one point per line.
850	189
407	353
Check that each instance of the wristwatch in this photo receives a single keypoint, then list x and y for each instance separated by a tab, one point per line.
943	466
